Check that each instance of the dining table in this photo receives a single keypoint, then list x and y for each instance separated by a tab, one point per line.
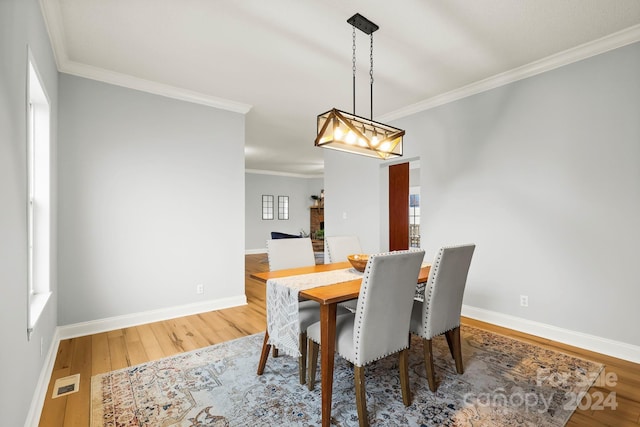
328	296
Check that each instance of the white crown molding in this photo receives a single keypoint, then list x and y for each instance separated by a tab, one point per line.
129	320
53	22
569	56
581	340
55	29
125	80
277	173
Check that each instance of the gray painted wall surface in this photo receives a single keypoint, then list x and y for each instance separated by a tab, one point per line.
353	202
543	175
299	191
21	24
151	201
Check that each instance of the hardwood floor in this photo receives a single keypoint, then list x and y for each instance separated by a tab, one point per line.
99	353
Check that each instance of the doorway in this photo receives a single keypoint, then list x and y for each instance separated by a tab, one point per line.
404	205
399	207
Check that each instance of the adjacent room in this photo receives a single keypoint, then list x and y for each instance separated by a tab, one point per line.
296	213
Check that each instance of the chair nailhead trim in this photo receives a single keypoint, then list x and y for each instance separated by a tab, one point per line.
362	299
427	299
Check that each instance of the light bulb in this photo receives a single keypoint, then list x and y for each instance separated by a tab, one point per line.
374	140
351	138
385	146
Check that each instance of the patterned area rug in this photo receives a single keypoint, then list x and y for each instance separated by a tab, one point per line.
506	383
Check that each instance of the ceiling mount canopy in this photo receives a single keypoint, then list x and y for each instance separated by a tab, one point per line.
343	131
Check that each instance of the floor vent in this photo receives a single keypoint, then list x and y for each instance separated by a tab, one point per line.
66	385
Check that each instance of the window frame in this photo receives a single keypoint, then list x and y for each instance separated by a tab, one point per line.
267	207
283	207
38	194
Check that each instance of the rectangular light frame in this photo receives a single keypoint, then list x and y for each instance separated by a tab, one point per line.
366	137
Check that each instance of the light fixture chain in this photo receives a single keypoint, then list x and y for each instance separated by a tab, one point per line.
371	73
353	60
353	49
346	132
371	59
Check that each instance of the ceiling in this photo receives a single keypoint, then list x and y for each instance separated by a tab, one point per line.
283	62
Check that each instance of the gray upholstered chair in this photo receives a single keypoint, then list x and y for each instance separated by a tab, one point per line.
290	253
440	312
293	253
336	249
380	325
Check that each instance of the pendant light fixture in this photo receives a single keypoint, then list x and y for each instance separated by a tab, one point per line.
343	131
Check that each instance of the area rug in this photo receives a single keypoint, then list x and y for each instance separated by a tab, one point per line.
506	383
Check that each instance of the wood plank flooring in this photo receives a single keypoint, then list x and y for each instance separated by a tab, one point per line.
99	353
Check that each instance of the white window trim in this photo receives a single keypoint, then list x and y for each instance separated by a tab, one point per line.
38	196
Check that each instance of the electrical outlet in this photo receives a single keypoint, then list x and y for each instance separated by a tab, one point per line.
524	301
200	289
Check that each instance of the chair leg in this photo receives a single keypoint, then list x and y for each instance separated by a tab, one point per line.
361	398
450	343
455	346
313	362
275	351
404	377
264	354
302	360
428	363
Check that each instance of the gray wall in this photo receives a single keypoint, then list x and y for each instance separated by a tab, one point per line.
353	202
21	24
299	191
151	202
543	174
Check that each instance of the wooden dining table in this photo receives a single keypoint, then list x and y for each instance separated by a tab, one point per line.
328	297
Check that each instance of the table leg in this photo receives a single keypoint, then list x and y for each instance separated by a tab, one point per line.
264	354
327	349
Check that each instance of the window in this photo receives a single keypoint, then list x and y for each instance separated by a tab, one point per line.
283	207
38	197
414	218
267	207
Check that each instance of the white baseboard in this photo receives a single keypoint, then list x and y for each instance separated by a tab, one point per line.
128	320
588	342
255	251
109	324
33	417
594	343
